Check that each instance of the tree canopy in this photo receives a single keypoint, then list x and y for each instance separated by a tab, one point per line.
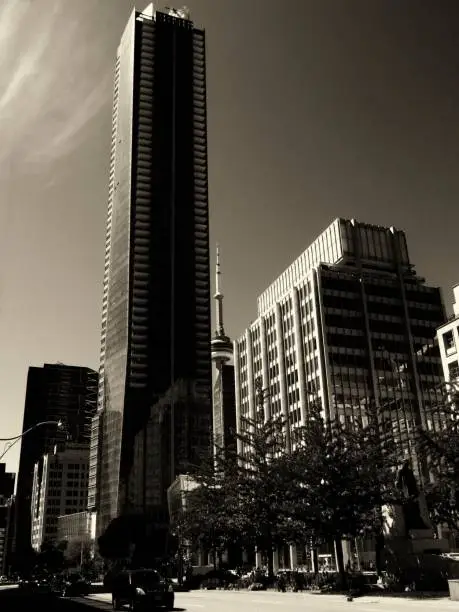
331	486
440	444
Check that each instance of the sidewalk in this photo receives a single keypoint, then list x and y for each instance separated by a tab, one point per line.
105	597
438	601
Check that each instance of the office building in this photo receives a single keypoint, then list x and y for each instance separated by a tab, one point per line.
54	391
155	362
75	527
6	522
224	398
448	342
348	327
60	487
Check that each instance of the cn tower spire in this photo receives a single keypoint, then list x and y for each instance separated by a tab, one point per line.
220	329
221	345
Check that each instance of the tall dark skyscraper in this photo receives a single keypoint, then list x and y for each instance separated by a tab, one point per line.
6	522
155	373
55	391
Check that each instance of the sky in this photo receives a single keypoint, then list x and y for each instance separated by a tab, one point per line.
316	109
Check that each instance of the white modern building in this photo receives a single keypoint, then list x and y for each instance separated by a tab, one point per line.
60	487
347	326
448	341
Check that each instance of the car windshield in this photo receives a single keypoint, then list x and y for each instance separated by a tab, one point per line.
145	579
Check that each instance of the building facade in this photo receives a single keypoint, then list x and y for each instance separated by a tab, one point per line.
6	519
156	308
348	327
448	342
55	391
74	527
60	487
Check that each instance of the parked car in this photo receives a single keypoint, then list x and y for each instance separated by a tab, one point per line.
71	585
141	589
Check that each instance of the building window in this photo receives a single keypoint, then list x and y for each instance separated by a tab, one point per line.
453	370
448	340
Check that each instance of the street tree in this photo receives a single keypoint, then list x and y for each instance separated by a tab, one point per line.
440	444
261	485
205	518
341	476
77	552
239	493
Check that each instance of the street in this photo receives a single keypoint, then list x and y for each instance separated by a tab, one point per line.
245	601
12	598
234	601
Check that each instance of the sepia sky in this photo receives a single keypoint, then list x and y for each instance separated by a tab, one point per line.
316	108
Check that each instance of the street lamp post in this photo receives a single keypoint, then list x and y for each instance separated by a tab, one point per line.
10	442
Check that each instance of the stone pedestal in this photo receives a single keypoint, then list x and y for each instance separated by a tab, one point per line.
258	559
422	540
293	556
417	541
416	544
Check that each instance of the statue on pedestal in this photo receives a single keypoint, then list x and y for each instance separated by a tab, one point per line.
414	512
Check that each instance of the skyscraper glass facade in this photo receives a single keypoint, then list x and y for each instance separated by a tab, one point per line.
155	349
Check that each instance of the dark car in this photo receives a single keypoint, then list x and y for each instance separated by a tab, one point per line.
71	585
36	584
142	589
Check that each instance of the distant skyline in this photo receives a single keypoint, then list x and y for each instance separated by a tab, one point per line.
316	110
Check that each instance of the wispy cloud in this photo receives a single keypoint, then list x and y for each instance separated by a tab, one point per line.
53	80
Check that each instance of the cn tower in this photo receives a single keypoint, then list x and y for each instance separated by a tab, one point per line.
224	410
221	345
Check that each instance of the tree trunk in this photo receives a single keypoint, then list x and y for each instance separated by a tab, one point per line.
358	552
315	560
269	554
340	561
379	547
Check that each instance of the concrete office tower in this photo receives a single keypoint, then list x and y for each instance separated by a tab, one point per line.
348	325
224	408
155	346
60	486
55	391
